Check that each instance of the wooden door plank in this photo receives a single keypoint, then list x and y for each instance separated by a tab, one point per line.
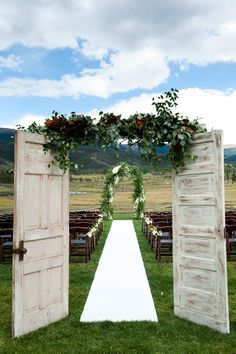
199	253
41	220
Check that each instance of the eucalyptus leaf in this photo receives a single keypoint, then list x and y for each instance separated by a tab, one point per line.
180	136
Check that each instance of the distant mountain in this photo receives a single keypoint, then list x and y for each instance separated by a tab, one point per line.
230	154
94	159
89	158
6	147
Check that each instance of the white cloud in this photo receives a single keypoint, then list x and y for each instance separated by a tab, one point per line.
93	51
67	85
127	107
144	68
39	88
134	42
29	118
26	120
193	30
11	62
142	37
214	108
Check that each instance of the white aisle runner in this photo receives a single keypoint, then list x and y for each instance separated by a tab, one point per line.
120	289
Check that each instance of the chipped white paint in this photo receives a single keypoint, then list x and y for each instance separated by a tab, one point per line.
41	220
200	273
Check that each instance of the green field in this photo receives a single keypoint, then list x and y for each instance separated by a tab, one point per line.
169	335
157	193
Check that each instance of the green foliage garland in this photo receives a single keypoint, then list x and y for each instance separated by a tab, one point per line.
112	179
145	131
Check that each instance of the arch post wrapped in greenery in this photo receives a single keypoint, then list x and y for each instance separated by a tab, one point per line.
112	179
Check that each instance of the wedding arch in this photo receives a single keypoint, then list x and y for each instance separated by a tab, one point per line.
112	179
41	225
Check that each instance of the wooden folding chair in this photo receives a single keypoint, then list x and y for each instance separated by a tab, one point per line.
230	241
6	244
79	245
164	242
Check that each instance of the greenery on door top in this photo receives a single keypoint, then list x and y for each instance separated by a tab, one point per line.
146	131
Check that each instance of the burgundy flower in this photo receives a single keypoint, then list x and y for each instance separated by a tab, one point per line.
139	122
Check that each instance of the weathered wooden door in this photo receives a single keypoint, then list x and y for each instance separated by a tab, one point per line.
199	251
41	226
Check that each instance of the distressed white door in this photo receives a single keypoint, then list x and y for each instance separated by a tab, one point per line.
41	226
199	251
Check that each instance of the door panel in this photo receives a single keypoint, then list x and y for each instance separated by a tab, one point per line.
199	250
41	221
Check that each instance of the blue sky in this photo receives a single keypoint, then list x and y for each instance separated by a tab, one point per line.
90	55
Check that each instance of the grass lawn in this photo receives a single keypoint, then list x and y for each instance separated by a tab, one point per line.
169	335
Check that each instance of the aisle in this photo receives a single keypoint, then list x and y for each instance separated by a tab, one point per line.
120	289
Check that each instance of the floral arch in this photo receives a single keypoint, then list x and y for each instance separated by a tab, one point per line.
112	179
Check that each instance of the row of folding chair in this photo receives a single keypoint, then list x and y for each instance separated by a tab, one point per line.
230	229
85	230
6	237
6	221
157	228
6	242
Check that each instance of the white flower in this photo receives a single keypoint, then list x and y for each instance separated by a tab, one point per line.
91	231
110	189
116	180
136	203
142	215
116	169
148	221
153	230
89	234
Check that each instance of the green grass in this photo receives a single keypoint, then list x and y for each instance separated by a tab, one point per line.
169	335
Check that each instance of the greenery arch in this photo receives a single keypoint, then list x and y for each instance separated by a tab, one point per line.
112	179
144	131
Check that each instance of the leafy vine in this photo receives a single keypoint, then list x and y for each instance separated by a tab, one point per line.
146	131
112	179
